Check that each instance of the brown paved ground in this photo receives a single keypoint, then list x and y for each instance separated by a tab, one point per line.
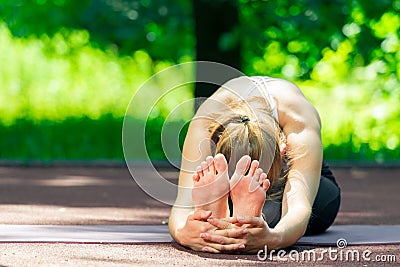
109	196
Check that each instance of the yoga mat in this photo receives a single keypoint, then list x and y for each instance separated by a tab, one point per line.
85	233
346	234
354	235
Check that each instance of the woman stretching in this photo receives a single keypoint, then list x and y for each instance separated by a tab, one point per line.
253	161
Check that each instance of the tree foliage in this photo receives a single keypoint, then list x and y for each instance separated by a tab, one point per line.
163	28
344	54
296	35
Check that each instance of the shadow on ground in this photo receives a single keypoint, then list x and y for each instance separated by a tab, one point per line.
77	195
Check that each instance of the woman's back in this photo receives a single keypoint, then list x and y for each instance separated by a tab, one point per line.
242	88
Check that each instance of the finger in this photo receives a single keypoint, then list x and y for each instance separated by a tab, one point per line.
220	223
220	239
200	215
233	232
226	248
254	221
210	249
235	222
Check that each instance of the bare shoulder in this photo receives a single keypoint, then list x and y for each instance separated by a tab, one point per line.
293	106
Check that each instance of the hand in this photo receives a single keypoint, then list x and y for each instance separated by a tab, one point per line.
195	228
226	237
256	234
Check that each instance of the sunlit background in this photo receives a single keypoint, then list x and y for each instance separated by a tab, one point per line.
68	69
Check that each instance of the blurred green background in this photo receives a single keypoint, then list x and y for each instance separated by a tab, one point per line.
68	69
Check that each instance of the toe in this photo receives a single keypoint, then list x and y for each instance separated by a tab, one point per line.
255	180
199	171
204	167
243	165
220	163
266	183
210	164
195	177
253	167
257	174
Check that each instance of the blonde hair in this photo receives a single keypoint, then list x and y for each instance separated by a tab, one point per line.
248	128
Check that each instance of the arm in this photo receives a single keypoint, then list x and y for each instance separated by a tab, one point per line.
301	125
192	154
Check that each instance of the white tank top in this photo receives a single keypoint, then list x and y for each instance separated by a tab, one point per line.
260	82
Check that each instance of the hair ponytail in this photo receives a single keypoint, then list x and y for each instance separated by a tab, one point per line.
243	130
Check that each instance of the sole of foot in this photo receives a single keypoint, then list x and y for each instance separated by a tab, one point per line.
248	191
211	186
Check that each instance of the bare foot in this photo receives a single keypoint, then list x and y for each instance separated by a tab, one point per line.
248	191
211	186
